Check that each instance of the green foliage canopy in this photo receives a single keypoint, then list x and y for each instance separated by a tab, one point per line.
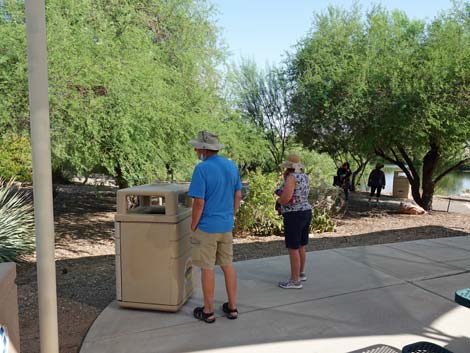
130	83
388	85
262	97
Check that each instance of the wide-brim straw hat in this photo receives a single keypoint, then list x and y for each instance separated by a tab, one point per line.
206	140
293	162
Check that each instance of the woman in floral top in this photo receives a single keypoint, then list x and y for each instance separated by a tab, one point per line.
297	214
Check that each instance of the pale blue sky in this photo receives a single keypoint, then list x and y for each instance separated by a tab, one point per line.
264	29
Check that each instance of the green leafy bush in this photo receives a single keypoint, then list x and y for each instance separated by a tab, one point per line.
15	157
257	214
16	222
322	222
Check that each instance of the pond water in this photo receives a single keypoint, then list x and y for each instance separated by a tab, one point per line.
454	183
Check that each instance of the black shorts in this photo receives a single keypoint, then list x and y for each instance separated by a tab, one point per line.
296	228
373	189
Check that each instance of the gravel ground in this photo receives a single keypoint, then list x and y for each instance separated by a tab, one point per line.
85	247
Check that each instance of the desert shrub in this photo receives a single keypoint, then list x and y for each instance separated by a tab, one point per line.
328	198
328	203
16	222
322	222
15	157
257	214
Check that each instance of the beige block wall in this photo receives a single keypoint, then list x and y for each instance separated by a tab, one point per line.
9	305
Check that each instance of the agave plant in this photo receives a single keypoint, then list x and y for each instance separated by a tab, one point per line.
16	222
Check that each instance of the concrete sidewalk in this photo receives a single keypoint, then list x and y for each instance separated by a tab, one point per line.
392	294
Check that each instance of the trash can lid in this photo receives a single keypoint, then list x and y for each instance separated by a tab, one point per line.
172	203
157	189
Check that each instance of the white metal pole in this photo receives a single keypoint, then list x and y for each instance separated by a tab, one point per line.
42	175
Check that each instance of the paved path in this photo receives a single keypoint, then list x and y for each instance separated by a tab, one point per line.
354	298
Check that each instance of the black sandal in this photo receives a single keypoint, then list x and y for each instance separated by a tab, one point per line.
201	315
230	312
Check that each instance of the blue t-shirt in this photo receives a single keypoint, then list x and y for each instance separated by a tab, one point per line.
215	180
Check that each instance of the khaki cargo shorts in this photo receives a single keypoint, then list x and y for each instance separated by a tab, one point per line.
210	249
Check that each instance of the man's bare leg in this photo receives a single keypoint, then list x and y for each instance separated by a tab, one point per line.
230	286
208	285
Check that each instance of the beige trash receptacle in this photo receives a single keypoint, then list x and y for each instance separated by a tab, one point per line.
401	186
153	262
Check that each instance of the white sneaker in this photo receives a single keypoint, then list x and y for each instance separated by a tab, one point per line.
289	284
303	276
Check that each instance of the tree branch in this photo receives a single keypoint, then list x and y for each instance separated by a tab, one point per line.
395	161
357	160
409	162
364	168
443	174
380	152
396	156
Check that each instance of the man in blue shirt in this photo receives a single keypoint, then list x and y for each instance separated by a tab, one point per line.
216	190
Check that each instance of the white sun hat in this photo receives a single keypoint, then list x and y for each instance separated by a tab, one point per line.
206	140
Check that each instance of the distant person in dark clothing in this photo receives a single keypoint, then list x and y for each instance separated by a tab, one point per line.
376	181
344	181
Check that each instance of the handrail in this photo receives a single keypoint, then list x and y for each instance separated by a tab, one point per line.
453	198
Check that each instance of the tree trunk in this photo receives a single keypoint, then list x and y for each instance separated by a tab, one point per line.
415	191
169	172
352	187
358	172
430	161
121	182
427	196
58	177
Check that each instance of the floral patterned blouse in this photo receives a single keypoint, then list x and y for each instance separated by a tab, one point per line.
302	188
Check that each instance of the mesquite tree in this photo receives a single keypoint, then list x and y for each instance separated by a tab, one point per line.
263	98
388	85
130	82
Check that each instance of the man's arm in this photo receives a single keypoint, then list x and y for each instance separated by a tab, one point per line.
198	207
236	203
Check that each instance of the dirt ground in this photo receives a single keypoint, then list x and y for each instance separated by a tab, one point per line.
84	228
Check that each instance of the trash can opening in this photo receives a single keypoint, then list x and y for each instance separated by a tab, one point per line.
138	204
147	210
